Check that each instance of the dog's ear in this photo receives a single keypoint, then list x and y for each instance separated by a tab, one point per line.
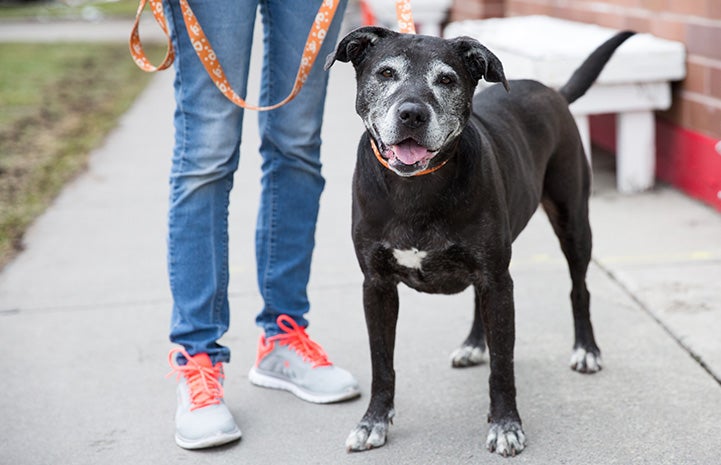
480	61
355	45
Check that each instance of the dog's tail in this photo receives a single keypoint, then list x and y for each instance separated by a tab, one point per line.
586	74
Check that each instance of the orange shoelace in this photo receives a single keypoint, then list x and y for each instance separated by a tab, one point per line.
295	337
202	377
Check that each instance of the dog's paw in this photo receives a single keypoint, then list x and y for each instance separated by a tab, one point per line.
467	356
506	439
584	361
368	435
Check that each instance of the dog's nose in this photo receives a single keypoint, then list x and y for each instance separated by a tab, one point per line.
413	115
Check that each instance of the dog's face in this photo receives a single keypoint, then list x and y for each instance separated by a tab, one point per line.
414	92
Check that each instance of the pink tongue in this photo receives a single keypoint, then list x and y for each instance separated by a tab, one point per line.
409	152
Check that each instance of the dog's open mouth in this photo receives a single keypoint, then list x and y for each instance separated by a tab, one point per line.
409	153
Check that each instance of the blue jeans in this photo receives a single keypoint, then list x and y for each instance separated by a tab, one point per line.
205	157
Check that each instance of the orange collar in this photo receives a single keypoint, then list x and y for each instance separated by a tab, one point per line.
383	161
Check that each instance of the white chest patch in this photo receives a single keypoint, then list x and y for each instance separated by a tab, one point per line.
411	258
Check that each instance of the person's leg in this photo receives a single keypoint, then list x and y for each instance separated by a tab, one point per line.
205	157
291	186
290	146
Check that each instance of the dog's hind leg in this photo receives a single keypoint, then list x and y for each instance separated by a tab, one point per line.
470	353
566	204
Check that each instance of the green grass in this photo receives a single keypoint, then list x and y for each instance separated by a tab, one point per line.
58	103
55	9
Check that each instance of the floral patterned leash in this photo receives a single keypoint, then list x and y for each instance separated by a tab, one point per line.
210	60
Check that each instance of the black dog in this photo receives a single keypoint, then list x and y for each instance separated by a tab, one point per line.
493	159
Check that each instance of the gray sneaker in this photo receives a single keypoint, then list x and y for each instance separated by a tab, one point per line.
293	362
202	418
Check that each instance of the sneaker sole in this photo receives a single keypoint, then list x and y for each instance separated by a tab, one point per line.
260	379
211	441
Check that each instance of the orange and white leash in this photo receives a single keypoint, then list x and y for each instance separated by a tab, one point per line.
404	15
209	58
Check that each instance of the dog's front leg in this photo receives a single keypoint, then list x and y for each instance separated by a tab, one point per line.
505	435
380	300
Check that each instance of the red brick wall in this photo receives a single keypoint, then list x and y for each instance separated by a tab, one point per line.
477	9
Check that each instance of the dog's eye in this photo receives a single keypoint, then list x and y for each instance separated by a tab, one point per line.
387	73
445	79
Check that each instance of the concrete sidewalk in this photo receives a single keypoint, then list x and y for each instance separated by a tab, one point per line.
84	316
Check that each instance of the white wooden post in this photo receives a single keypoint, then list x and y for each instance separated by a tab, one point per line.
635	151
584	129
